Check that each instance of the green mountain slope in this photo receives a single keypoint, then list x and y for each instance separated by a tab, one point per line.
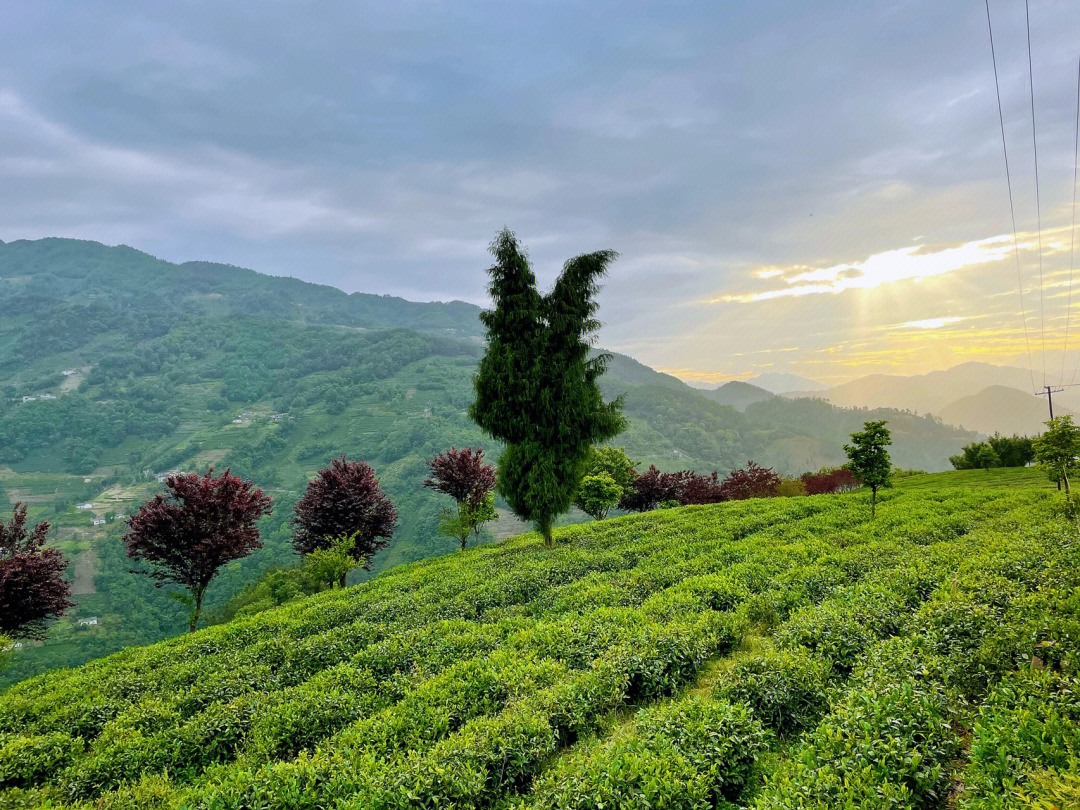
681	657
132	367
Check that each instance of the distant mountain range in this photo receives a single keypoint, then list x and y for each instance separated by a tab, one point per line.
976	396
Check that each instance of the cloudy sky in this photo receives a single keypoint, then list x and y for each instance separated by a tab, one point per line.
810	187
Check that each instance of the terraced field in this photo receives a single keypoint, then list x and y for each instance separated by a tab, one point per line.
774	653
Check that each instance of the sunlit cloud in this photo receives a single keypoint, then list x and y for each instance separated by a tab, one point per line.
888	267
929	323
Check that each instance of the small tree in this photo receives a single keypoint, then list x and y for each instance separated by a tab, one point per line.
868	459
985	458
333	563
32	586
344	500
1058	450
536	386
463	475
199	525
468	518
598	494
752	481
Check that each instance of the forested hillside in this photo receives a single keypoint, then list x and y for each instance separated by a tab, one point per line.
116	367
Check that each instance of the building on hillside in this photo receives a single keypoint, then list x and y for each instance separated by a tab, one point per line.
89	621
99	521
68	372
47	396
85	506
29	399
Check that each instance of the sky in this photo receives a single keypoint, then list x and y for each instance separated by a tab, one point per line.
806	187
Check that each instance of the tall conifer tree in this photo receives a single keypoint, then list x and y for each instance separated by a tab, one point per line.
536	387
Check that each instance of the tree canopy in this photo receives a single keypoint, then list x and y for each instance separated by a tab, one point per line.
32	585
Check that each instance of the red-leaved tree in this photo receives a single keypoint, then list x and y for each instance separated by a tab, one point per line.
462	474
200	524
653	488
753	481
344	500
699	489
827	482
32	586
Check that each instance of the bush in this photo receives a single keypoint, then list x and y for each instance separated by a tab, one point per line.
787	690
688	754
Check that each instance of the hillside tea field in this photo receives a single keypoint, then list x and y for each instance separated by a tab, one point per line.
771	653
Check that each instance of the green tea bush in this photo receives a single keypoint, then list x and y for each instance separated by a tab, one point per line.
787	690
668	659
1029	723
686	754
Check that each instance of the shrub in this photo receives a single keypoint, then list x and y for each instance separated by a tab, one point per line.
830	481
787	690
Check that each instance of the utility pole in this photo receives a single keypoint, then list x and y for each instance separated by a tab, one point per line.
1048	392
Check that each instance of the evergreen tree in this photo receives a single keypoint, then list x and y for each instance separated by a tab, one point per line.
869	460
536	386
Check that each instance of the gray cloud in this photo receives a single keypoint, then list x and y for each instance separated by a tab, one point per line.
380	146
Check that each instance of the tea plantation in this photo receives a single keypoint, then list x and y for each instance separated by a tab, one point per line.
772	653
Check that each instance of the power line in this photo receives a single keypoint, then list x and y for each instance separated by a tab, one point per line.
1072	232
1038	207
1012	207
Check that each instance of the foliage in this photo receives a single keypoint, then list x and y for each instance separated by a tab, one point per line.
334	562
32	585
753	481
1058	449
201	524
788	691
868	459
469	518
537	387
614	462
344	500
791	488
462	474
651	489
598	494
830	481
997	451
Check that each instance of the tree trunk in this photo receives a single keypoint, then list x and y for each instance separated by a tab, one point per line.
544	526
193	620
341	580
1065	477
463	539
